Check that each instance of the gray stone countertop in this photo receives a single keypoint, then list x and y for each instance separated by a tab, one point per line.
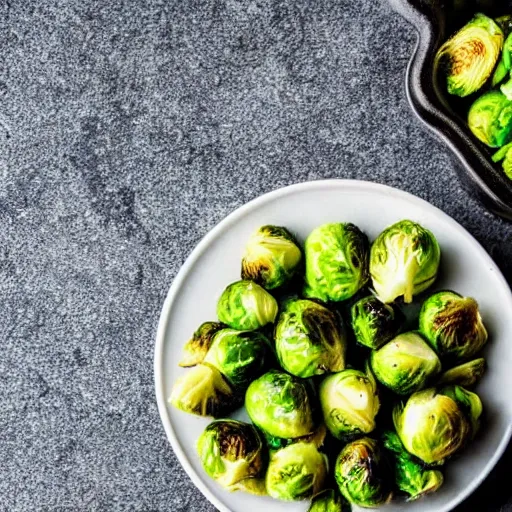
128	129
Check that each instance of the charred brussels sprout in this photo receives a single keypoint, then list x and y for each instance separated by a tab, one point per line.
404	261
296	472
410	477
280	405
230	452
490	119
349	403
405	364
336	262
375	323
329	501
309	339
452	325
271	257
196	348
241	356
470	55
431	426
362	474
467	374
204	391
246	306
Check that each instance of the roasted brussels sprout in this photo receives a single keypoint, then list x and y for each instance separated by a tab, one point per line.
203	391
362	474
241	356
271	257
431	426
309	339
490	119
404	261
296	472
329	501
505	63
230	451
410	477
468	402
504	154
336	262
280	405
196	348
467	374
246	306
349	403
470	55
452	325
405	364
375	323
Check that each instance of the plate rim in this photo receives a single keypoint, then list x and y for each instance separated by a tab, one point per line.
227	221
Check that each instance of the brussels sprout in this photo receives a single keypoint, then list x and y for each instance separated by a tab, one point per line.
309	339
375	323
405	364
404	261
431	426
336	262
470	55
241	356
196	348
271	258
230	451
246	306
362	474
349	403
328	501
296	472
204	391
452	325
467	374
490	119
505	63
468	402
410	477
505	154
280	405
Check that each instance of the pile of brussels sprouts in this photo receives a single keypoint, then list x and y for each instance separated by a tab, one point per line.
353	396
477	63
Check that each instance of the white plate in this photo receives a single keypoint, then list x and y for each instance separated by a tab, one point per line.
215	262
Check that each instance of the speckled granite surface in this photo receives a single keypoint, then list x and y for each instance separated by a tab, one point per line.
128	130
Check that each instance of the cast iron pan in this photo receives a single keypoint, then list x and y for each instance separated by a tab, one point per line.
436	21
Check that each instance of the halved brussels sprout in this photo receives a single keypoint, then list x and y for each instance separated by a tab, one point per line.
470	55
280	405
329	501
349	403
309	339
241	356
404	261
203	391
405	364
467	374
362	474
196	348
296	472
230	452
336	262
452	324
468	402
490	119
375	323
246	306
431	426
410	477
271	258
